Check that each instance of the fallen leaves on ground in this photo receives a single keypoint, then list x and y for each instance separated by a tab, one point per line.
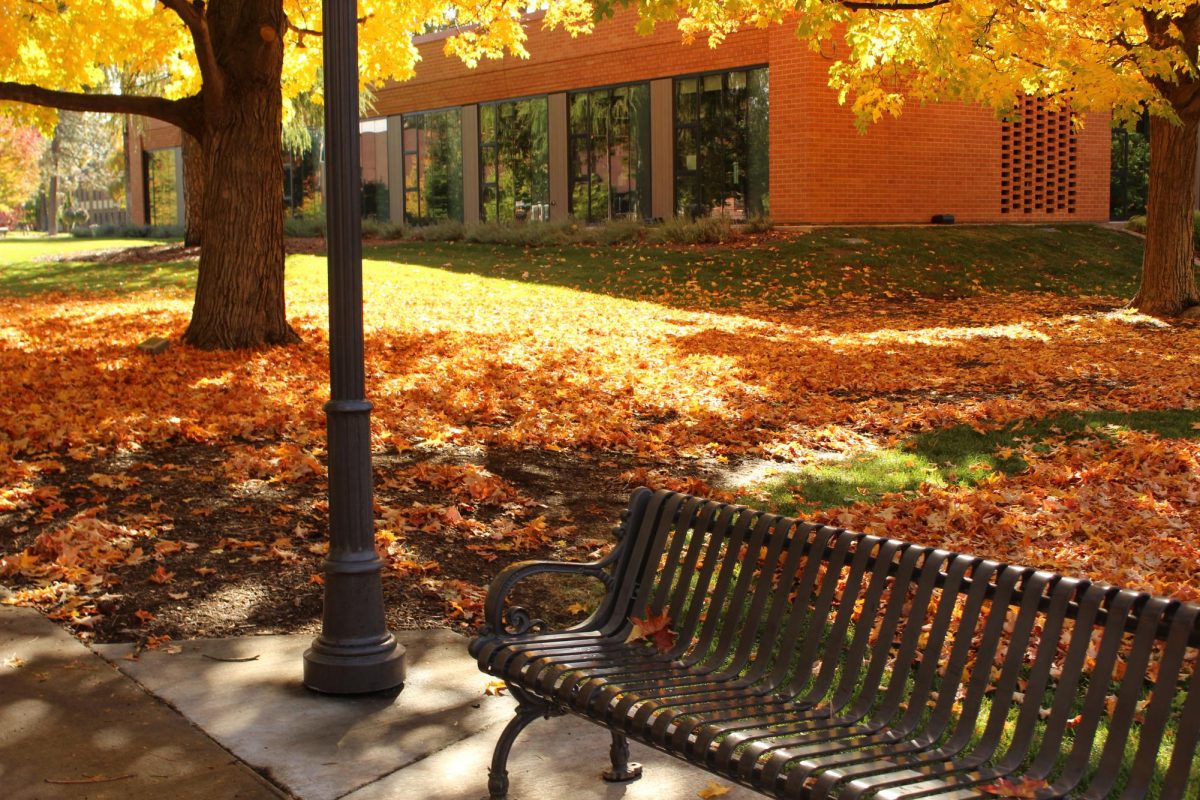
465	362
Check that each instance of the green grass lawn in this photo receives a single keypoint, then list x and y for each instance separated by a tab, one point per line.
783	272
958	455
811	267
29	264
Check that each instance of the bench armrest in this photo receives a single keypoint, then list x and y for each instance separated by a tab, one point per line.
514	621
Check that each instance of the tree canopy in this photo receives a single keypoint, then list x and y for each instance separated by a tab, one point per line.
1090	55
20	149
47	53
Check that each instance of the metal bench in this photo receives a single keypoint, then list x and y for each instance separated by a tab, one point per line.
814	662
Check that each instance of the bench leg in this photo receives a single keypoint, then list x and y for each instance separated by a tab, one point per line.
622	768
529	708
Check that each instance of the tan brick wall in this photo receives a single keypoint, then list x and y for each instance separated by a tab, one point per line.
936	158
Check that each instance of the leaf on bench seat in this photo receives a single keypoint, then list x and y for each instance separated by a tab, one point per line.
1027	789
655	628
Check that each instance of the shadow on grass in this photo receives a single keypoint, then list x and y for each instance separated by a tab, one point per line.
27	278
826	263
958	455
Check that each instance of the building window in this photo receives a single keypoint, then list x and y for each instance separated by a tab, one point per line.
162	186
302	175
433	167
513	152
610	153
721	157
372	146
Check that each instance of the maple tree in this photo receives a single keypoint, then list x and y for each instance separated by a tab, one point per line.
20	150
1083	55
227	66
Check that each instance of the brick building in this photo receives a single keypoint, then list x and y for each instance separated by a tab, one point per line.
620	125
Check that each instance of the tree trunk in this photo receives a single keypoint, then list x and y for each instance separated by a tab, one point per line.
193	190
1168	285
52	199
52	204
240	289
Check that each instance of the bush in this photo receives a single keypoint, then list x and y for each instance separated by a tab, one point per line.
371	228
391	230
758	224
534	234
444	231
617	231
306	227
705	230
1138	225
129	232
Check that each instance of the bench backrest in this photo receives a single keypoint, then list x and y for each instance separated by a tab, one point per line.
1079	682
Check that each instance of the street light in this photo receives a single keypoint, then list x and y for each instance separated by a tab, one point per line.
355	652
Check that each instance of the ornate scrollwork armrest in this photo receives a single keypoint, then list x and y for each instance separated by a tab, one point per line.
515	620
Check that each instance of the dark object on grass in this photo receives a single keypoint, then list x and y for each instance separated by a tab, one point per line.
815	662
943	219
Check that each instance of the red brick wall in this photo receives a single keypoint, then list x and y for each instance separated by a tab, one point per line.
937	158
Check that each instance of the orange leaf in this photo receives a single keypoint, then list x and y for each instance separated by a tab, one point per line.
143	616
655	628
1027	789
161	576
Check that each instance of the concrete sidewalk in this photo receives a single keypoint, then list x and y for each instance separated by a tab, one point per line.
71	726
200	724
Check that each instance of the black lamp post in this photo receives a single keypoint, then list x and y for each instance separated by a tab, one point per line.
355	653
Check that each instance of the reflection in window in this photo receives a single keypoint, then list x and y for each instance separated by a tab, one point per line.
162	186
372	144
610	153
721	144
513	152
433	164
302	176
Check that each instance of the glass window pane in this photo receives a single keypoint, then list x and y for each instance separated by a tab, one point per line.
758	168
410	171
433	167
579	113
639	142
412	207
163	187
487	124
685	99
722	153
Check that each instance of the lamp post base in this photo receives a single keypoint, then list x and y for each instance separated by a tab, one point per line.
354	670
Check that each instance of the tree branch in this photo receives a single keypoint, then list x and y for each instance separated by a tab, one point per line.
194	18
309	31
884	5
181	113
